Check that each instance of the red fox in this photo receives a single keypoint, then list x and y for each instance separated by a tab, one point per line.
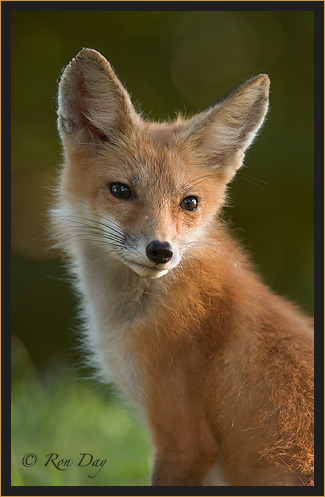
219	366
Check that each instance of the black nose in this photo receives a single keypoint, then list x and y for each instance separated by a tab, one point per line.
159	252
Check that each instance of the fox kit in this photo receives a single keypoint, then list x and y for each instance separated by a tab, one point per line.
221	368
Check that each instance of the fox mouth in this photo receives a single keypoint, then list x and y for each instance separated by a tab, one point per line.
148	271
155	268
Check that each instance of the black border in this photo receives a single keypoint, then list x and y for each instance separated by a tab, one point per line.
6	8
170	5
319	241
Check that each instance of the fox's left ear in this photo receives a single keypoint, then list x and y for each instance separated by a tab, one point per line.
221	135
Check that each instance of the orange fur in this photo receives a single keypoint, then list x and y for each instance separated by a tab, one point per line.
221	367
225	357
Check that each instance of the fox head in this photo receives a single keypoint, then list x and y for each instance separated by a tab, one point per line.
146	192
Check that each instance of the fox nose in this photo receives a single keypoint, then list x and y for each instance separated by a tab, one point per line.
159	252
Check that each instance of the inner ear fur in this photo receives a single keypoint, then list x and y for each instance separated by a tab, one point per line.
221	135
93	104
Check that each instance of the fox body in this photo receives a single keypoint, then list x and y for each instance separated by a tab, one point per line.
221	368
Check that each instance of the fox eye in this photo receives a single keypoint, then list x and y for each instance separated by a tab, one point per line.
189	203
119	190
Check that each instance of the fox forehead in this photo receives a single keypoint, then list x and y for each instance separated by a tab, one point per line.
163	166
146	161
143	161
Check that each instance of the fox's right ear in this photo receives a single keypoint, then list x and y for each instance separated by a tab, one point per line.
93	105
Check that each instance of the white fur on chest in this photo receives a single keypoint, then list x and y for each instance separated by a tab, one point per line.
113	304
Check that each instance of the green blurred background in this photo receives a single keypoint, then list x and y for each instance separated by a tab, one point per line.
168	61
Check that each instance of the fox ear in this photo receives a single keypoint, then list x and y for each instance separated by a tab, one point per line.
93	105
222	134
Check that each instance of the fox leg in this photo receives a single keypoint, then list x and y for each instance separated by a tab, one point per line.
185	444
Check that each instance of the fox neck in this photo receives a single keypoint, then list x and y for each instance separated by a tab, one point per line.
116	302
115	289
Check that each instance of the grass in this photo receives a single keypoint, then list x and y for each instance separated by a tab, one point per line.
62	414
